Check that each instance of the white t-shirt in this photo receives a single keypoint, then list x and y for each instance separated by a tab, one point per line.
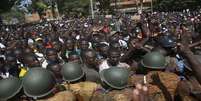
105	65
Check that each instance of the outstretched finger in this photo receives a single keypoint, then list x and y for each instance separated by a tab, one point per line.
136	94
145	93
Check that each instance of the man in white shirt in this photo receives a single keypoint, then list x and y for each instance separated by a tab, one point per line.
113	60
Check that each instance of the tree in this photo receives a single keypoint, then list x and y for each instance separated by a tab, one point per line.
104	6
6	5
74	6
12	14
176	5
39	5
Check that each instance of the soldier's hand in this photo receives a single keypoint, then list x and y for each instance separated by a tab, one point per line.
140	93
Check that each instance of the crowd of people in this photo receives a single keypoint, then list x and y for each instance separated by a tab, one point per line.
151	57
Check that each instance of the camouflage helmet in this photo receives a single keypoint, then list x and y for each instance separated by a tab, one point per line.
115	77
9	87
38	82
72	72
154	60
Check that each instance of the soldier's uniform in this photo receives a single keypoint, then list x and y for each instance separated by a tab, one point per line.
115	95
61	96
114	85
90	91
170	81
83	90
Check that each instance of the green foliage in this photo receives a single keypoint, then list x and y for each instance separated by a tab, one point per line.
8	16
6	5
105	7
176	5
74	6
39	5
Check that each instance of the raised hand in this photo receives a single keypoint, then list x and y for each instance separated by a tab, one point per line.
140	93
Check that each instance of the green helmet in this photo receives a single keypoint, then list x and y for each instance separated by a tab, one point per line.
72	72
115	77
154	60
9	87
38	82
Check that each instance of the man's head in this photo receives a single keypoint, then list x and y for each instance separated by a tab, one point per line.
103	49
28	50
96	38
84	44
18	52
51	54
56	69
115	44
74	57
114	56
30	60
89	57
70	44
11	59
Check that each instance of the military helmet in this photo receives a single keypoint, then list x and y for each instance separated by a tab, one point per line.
9	87
115	77
154	60
72	71
167	41
38	82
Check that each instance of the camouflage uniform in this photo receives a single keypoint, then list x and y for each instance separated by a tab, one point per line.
90	91
83	90
61	96
170	81
115	95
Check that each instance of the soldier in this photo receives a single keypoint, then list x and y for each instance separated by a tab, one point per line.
10	89
162	85
61	96
75	76
38	83
114	85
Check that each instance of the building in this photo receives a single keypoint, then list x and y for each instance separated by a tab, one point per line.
131	5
